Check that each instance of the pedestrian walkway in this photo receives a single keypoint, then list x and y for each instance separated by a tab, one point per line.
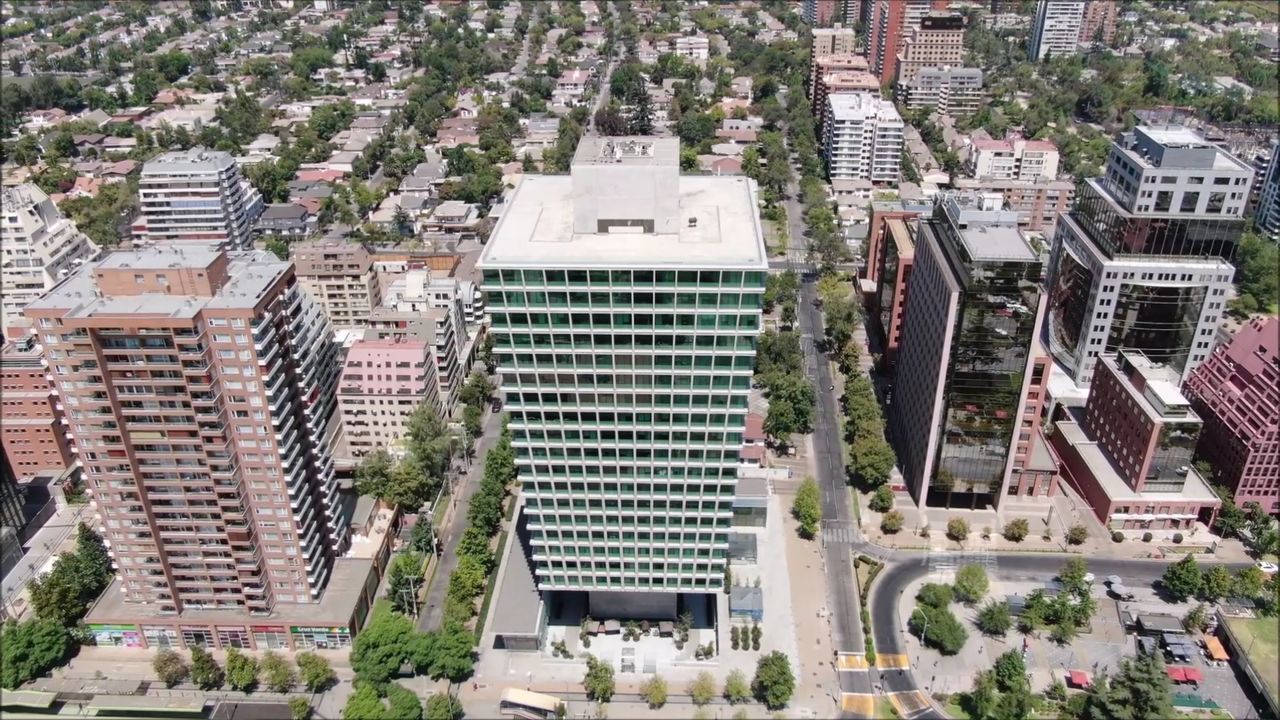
432	614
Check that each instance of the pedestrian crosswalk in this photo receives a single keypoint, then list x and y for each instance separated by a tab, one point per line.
947	561
835	531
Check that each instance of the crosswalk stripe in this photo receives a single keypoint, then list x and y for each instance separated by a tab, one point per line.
862	704
888	661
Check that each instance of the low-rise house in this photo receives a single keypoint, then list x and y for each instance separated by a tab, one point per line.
720	165
453	217
286	220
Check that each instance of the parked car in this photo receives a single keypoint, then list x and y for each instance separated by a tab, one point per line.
1267	567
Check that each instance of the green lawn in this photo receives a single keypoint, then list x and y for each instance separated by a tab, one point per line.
1259	639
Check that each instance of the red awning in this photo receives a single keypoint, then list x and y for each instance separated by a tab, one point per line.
1079	678
1192	674
1176	673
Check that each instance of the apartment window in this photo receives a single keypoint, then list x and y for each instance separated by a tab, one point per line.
139	279
1189	202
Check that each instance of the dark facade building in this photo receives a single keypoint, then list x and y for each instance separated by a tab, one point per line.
971	317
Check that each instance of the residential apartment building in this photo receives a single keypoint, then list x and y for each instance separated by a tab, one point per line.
891	20
839	41
196	196
1098	24
826	69
33	432
38	247
383	383
1014	158
1038	203
341	278
200	389
625	303
953	91
1237	393
862	138
1056	29
963	362
693	47
1267	217
453	339
1128	451
1143	260
819	12
938	41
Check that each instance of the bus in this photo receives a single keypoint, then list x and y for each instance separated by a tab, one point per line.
517	703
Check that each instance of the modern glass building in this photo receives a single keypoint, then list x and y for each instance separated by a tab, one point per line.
971	315
1143	260
625	301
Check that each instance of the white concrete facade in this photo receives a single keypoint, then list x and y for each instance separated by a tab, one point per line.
38	247
862	138
1056	31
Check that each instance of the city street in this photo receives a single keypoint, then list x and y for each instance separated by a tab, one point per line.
57	535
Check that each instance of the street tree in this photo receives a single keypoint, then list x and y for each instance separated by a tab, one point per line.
1010	671
971	584
242	671
278	675
1016	530
1217	584
1183	579
404	579
382	648
170	667
892	521
774	682
882	500
404	703
736	688
872	460
317	675
807	508
442	706
598	682
1249	582
703	689
654	691
205	671
364	704
31	649
1138	691
995	618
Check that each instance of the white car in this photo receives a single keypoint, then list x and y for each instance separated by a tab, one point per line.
1267	567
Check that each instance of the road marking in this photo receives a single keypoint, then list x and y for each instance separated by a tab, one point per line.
863	704
845	661
908	703
888	661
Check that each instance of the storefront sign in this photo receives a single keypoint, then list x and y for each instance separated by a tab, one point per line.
308	629
267	628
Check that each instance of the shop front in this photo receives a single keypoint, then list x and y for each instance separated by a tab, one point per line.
323	637
270	637
116	635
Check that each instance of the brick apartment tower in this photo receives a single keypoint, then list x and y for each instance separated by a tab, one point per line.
1098	22
32	430
200	389
890	20
1237	394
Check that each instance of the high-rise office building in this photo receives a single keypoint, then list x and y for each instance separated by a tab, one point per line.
200	389
972	312
1267	216
862	138
1056	30
1237	393
625	302
38	247
1143	260
197	196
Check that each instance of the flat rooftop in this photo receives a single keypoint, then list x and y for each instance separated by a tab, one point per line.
249	275
536	230
1195	489
986	243
336	605
639	150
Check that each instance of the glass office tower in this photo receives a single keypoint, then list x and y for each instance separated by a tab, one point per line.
625	303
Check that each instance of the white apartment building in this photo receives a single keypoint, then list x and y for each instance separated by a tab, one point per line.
1143	260
624	300
862	138
1013	159
1056	30
196	196
952	91
693	47
38	247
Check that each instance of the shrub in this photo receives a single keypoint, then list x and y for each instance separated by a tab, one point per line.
299	708
958	529
924	531
891	522
733	636
1016	530
1146	537
937	628
736	689
995	618
598	681
1177	538
1077	534
756	632
1117	536
774	681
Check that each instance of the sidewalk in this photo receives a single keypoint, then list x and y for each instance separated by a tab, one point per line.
57	535
433	606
